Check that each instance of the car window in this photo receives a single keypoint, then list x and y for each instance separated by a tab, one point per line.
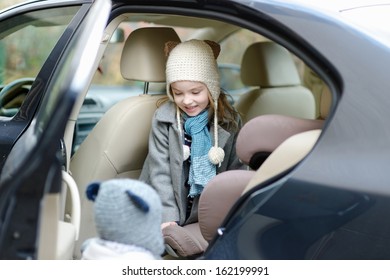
25	43
109	87
108	79
7	3
230	60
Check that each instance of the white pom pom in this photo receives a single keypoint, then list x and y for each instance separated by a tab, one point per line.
216	155
186	152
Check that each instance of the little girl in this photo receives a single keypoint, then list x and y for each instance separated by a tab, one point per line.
193	132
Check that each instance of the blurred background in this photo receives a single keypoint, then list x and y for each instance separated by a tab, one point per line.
7	3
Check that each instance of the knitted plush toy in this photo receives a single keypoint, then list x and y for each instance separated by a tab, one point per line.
127	215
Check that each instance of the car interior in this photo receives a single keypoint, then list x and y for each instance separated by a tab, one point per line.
275	103
282	102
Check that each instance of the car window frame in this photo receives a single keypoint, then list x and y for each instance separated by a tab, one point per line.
18	123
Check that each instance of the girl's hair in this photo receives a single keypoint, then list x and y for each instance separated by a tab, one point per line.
227	114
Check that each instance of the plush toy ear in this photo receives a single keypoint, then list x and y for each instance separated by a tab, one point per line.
169	46
138	201
215	47
92	190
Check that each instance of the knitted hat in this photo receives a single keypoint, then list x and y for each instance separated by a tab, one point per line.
128	211
195	60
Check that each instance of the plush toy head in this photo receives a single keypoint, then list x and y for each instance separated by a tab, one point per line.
128	211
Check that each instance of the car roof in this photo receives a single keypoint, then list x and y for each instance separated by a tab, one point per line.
370	16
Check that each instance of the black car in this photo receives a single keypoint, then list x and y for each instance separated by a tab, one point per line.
76	104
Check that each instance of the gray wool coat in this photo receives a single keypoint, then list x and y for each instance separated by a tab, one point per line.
163	168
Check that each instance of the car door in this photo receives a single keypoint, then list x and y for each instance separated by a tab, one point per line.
32	170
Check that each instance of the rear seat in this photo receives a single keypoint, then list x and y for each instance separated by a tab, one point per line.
270	68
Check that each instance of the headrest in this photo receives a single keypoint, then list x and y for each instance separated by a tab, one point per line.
143	57
267	64
262	135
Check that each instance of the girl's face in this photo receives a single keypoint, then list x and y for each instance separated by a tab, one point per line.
191	97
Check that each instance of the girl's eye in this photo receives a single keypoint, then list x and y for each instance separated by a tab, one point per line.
177	93
195	92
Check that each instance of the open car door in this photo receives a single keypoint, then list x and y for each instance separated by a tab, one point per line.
32	174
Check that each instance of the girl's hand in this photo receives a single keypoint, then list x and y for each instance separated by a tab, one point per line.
164	225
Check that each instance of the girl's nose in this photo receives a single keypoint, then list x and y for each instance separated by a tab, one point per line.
187	99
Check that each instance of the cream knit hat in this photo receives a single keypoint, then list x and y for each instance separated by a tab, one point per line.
195	60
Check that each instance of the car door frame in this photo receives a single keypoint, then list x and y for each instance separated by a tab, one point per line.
13	127
34	165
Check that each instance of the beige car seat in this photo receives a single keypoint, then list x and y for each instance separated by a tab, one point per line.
118	144
271	69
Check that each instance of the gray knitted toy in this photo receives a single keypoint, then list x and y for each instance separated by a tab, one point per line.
128	211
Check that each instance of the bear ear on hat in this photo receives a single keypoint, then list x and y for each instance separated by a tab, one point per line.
215	47
169	46
92	190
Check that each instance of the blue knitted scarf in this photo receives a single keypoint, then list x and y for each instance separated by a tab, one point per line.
201	169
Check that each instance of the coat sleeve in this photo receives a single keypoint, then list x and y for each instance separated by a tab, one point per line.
156	170
233	162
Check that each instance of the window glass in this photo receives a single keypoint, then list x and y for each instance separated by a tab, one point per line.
25	43
230	60
7	3
109	79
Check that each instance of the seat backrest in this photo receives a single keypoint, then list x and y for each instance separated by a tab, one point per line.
118	144
271	69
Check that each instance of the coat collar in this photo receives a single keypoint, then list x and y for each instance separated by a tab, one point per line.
166	112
